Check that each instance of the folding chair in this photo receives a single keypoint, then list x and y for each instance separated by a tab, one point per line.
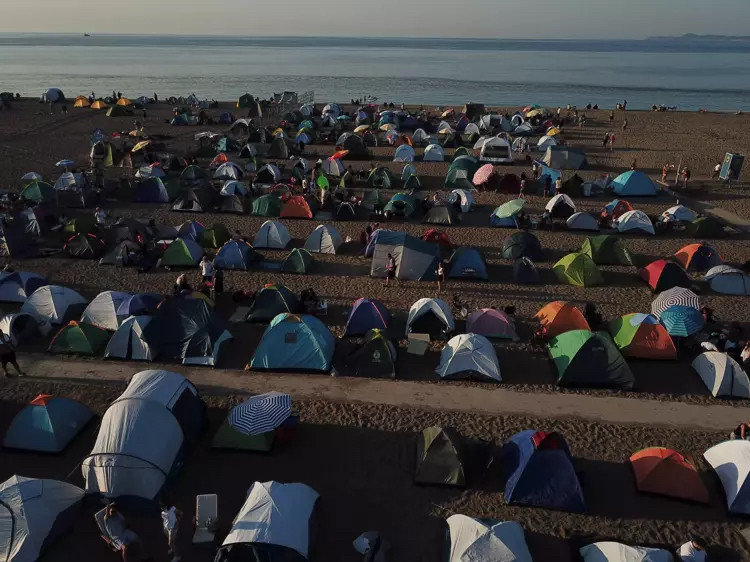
206	513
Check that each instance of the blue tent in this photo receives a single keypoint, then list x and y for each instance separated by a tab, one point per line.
295	343
226	118
181	119
540	472
468	263
633	183
47	425
191	229
236	254
151	190
139	303
367	314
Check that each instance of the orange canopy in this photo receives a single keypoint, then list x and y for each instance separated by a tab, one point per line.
659	470
559	317
41	400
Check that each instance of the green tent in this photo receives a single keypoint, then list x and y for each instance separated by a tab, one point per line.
401	204
119	111
440	457
458	178
81	338
375	357
39	192
182	253
229	438
413	183
462	151
606	250
214	236
381	178
267	206
80	225
578	270
323	183
467	163
584	358
245	100
299	260
705	227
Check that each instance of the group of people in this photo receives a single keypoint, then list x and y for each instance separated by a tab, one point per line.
212	279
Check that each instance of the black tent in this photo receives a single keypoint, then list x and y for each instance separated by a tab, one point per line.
278	149
521	244
375	357
356	147
192	201
231	204
441	213
525	272
271	301
440	457
84	246
120	254
345	212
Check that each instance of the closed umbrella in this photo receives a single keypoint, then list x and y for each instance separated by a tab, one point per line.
675	296
362	129
682	321
141	145
483	174
262	413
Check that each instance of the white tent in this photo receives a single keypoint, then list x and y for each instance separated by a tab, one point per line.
545	142
68	180
471	129
54	304
102	311
722	375
433	153
128	343
728	280
617	552
404	153
680	213
559	199
333	167
277	515
633	221
323	240
436	307
33	512
233	187
468	354
466	198
496	149
228	171
731	462
420	137
582	221
17	286
272	235
473	540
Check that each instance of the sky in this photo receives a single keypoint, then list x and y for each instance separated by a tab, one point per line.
534	19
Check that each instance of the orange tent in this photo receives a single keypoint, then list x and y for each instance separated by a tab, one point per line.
698	257
662	471
220	158
559	317
124	101
99	104
81	101
296	208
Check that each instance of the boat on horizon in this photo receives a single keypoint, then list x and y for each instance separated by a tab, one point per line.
87	35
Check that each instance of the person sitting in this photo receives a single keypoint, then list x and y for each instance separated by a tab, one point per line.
181	284
122	538
693	551
742	431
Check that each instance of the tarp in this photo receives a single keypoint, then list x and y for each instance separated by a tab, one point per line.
440	457
469	355
295	343
587	359
481	539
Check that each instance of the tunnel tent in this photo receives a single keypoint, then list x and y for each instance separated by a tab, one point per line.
441	457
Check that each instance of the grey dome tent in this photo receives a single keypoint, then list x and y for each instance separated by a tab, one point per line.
323	240
278	149
128	343
521	244
563	158
272	235
191	201
416	260
582	221
430	316
472	539
440	457
469	355
54	304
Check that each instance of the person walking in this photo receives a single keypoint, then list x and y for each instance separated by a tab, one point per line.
624	125
207	269
611	142
8	355
390	270
170	517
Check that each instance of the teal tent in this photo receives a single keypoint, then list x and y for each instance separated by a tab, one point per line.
295	343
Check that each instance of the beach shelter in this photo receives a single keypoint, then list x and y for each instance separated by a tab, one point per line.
579	270
381	178
615	209
323	240
731	462
47	424
506	215
484	539
296	207
560	206
469	355
366	315
182	252
666	472
151	190
441	457
441	213
662	275
541	473
589	359
18	285
272	235
525	272
490	323
236	254
103	310
698	257
39	192
375	356
642	336
467	263
430	316
633	183
521	244
299	260
35	513
79	338
127	342
606	250
722	375
416	260
558	317
54	304
294	343
680	213
635	222
268	205
582	221
214	236
433	153
723	279
677	296
705	227
273	524
438	237
607	551
563	158
271	301
401	205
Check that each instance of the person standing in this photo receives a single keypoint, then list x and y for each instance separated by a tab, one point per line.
207	269
611	142
664	172
440	276
390	270
624	125
8	355
170	517
685	177
558	185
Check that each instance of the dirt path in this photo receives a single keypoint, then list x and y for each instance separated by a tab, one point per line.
409	394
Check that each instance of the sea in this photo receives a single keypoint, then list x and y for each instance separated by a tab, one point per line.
686	74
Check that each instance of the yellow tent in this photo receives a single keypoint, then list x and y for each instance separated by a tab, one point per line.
362	129
388	127
81	101
124	101
534	113
99	104
553	131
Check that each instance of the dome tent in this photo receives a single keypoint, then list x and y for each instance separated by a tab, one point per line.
680	213
375	357
440	457
367	314
128	343
54	304
698	257
521	244
641	336
635	221
442	213
468	263
582	221
578	270
589	359
268	205
558	317
705	227
323	240
294	343
296	207
79	338
463	198
731	462
271	301
722	375
467	355
617	552
236	254
525	272
728	280
299	260
438	237
415	259
490	323
214	236
430	316
633	183
433	153
103	310
560	206
663	275
272	235
20	327
615	209
662	471
183	252
17	286
483	539
606	250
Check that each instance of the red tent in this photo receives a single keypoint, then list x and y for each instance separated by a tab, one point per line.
438	237
296	208
662	471
616	211
663	275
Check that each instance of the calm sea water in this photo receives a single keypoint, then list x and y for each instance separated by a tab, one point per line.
685	73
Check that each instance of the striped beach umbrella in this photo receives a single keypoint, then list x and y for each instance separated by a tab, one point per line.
682	321
675	296
261	413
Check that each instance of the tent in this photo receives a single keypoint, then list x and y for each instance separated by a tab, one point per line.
666	472
236	254
35	513
525	272
641	335
214	236
345	211
433	153
191	174
541	473
723	279
578	270
143	437
299	260
228	171
615	209
102	311
323	240
438	237
271	301
705	227
606	250
636	222
79	338
151	190
84	246
731	462
39	192
401	205
483	539
279	149
296	207
560	206
676	296
54	304
381	178
268	174
375	357
558	317
366	315
633	183
272	235
440	457
468	263
722	375
404	153
273	525
18	285
441	213
496	150
617	552
582	221
415	259
680	213
469	355
233	187
563	158
139	303
268	205
521	244
545	142
506	215
698	257
191	201
183	252
231	204
47	424
458	178
589	359
294	343
430	316
491	323
662	275
127	342
191	230
119	111
20	327
463	198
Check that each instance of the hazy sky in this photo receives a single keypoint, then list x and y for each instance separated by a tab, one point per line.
403	18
